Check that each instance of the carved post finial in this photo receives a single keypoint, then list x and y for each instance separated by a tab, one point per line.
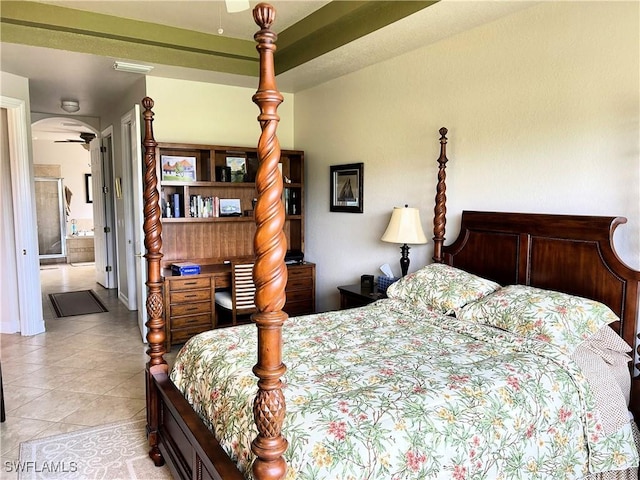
269	273
440	210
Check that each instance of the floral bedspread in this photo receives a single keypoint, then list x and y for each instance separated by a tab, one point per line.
383	392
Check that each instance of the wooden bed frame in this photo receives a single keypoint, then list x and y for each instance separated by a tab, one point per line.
573	254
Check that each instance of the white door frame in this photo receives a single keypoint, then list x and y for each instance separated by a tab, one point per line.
24	214
136	262
132	119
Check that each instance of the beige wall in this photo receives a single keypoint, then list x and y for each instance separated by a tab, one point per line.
543	112
194	112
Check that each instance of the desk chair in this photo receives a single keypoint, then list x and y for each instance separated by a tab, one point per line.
240	300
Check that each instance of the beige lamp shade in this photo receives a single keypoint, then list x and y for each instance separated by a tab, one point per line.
404	227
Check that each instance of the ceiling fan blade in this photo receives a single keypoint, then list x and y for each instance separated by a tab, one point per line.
69	141
234	6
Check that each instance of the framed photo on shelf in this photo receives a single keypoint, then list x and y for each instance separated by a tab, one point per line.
178	169
238	167
347	188
230	207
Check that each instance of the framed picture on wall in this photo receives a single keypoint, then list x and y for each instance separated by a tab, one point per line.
347	188
88	188
178	169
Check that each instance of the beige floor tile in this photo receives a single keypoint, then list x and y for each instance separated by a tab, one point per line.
9	471
13	370
106	409
54	405
134	387
15	396
98	382
48	338
15	430
48	377
59	428
83	371
17	351
46	356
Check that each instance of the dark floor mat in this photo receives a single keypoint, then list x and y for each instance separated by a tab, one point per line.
83	302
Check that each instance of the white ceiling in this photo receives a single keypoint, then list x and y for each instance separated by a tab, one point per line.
56	74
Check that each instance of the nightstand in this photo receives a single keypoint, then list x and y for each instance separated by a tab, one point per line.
355	296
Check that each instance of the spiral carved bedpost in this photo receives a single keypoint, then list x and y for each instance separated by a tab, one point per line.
153	244
440	210
270	273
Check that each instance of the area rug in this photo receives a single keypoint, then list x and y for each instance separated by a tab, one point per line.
82	302
116	451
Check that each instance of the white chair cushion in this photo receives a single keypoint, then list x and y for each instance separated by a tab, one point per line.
223	298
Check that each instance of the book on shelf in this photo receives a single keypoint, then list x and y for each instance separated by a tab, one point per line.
185	268
177	202
203	207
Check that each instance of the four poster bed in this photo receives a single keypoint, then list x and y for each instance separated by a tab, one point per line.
476	366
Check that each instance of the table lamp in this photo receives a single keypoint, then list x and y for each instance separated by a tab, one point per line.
404	227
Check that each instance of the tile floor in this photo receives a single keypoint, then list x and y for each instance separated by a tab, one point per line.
83	371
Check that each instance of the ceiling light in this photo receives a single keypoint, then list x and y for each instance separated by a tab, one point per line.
70	106
234	6
132	67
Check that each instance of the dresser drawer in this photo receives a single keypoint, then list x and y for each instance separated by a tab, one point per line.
186	296
189	309
298	272
190	283
299	283
298	295
188	321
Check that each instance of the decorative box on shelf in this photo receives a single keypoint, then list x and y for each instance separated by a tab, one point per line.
385	282
185	268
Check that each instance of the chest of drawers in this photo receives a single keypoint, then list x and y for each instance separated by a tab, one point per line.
189	307
189	301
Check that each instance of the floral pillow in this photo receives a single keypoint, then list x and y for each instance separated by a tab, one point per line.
441	287
558	318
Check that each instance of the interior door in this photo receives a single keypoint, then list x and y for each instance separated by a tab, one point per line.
132	144
103	226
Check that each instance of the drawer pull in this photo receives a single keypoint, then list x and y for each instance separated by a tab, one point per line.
190	283
191	296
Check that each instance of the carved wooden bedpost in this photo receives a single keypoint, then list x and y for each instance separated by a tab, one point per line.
440	210
270	273
153	244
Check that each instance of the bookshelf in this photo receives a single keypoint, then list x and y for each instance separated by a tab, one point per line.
196	179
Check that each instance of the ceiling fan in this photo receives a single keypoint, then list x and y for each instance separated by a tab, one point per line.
85	139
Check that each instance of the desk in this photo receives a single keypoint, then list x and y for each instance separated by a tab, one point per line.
189	300
356	296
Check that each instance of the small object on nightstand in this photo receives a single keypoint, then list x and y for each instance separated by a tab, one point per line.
366	282
356	295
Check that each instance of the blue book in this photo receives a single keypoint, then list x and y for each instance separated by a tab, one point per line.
185	268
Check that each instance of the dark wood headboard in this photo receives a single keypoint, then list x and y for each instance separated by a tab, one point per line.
567	253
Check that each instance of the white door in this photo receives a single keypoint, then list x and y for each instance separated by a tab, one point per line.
99	216
22	266
132	156
103	211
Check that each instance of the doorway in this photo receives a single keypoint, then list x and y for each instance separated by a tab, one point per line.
50	215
